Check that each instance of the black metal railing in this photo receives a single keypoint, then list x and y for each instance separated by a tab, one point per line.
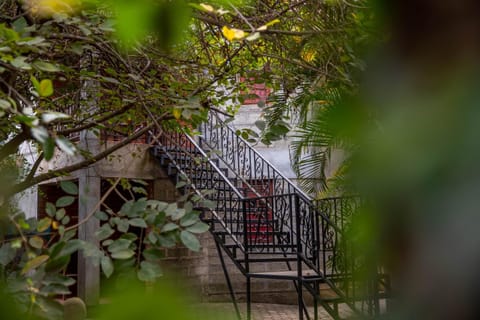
259	210
243	160
200	173
263	180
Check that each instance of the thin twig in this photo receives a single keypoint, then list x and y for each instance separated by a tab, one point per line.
97	206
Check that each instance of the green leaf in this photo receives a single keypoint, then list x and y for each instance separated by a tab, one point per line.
137	208
65	201
7	253
123	254
253	36
32	41
123	225
20	24
139	181
61	231
56	248
190	240
107	266
153	254
16	244
35	83
21	63
44	224
60	214
91	250
69	234
69	187
138	222
72	246
159	205
58	279
126	207
55	289
178	214
152	238
34	263
65	145
149	271
107	242
39	133
170	209
180	184
4	104
134	208
198	227
167	241
36	242
100	215
104	232
65	220
140	190
57	264
189	219
130	236
50	209
48	147
209	204
188	206
169	227
45	88
119	245
50	116
23	224
45	66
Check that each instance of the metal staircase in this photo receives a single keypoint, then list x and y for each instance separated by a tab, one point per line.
257	215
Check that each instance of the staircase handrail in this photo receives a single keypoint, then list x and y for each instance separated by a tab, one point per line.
294	186
297	189
214	166
217	169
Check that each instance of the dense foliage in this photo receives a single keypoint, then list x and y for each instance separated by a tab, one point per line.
70	68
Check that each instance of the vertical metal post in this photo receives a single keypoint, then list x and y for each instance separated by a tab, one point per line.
249	299
227	277
247	263
299	257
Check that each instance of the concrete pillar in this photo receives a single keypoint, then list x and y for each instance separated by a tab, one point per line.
88	272
88	282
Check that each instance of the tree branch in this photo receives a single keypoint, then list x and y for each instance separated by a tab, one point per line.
96	122
82	164
12	146
221	23
35	166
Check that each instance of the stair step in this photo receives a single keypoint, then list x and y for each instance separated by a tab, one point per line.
267	246
269	259
253	219
173	169
289	274
270	233
179	150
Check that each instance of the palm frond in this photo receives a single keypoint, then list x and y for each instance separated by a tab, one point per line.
315	138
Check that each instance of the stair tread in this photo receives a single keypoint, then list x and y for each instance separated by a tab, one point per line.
288	273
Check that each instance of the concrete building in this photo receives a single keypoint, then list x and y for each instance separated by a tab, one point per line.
201	272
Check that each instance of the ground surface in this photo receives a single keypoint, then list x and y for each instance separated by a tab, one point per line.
260	311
